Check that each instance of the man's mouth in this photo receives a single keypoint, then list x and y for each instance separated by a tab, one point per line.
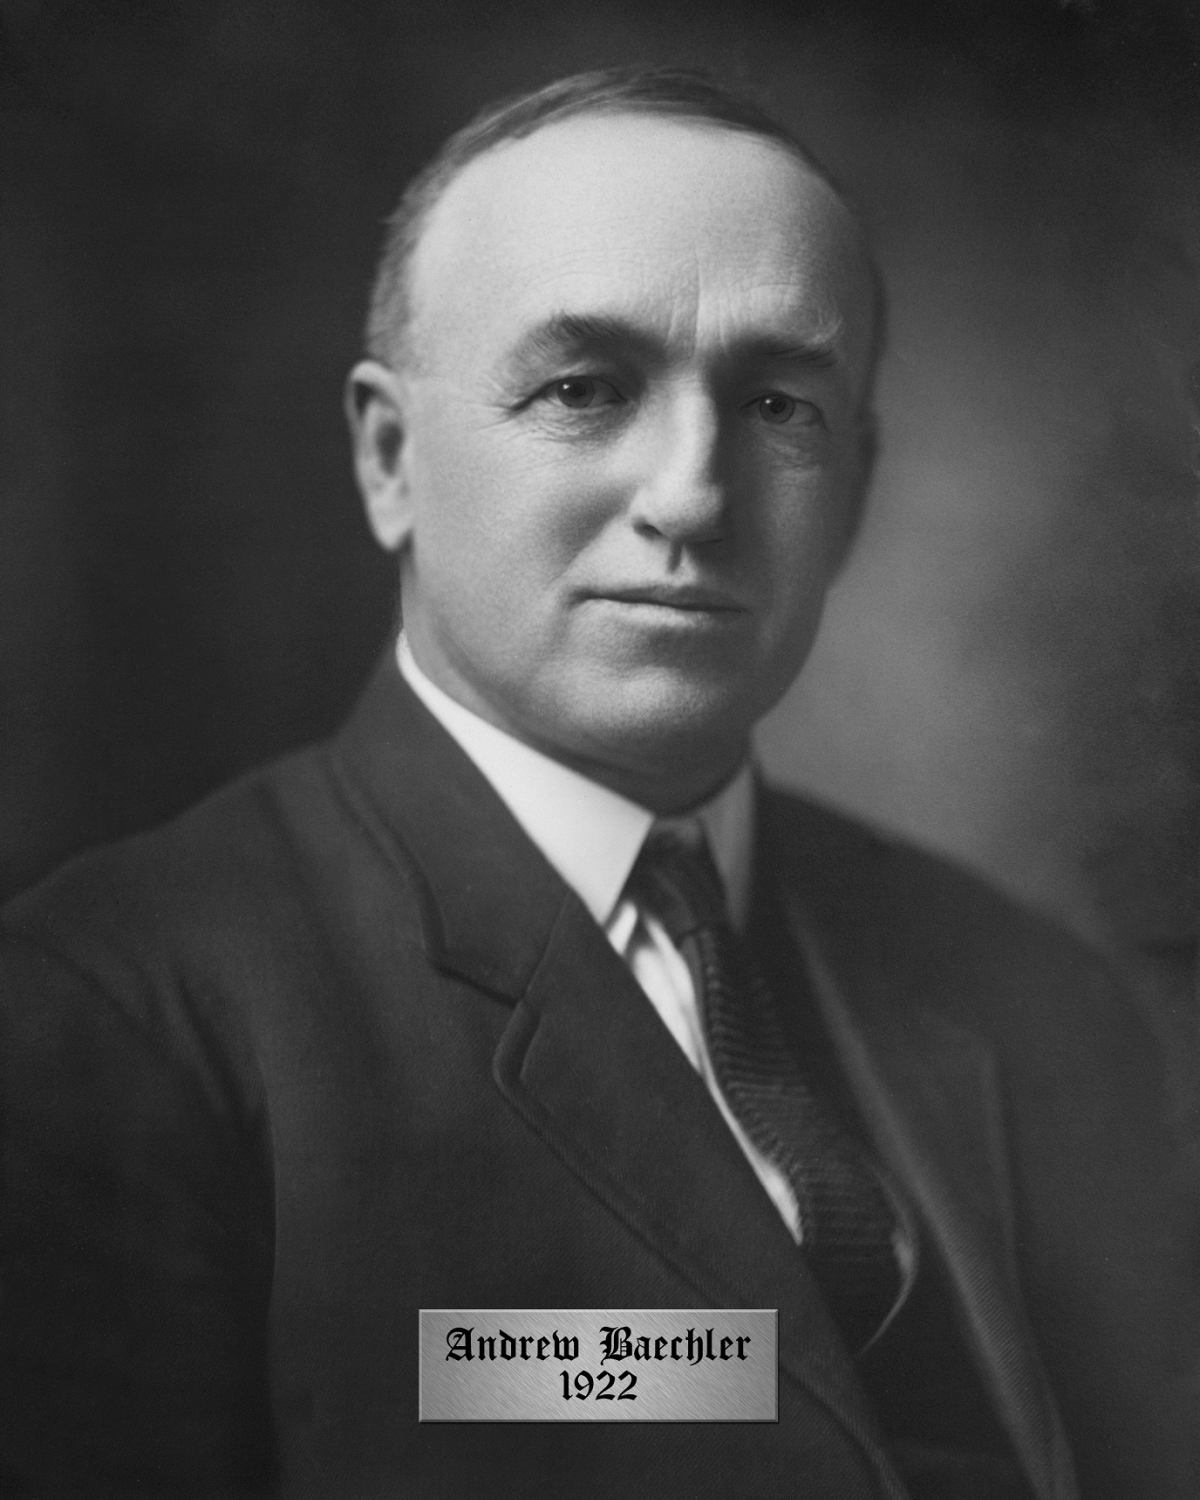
688	598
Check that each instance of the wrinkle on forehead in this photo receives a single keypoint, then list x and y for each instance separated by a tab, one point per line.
680	221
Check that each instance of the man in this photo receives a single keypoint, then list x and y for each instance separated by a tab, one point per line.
415	1019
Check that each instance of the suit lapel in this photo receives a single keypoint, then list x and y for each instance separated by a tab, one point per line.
591	1068
928	1093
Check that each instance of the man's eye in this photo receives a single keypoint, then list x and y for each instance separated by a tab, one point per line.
580	391
777	408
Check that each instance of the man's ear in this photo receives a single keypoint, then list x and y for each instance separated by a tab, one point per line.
375	411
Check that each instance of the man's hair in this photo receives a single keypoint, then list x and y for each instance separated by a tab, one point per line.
676	92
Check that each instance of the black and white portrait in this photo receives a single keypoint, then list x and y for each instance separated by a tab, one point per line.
598	655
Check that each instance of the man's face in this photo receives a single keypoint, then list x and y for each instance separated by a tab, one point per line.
632	441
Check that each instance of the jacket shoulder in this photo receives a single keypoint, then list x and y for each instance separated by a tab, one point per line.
916	906
218	852
244	895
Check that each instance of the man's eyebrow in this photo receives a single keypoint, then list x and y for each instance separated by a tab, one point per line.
819	353
820	347
564	334
575	333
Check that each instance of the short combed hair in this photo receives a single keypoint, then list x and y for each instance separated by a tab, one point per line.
677	92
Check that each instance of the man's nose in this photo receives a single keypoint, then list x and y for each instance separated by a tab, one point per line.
681	492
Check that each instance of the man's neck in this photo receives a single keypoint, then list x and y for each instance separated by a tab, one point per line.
668	779
588	829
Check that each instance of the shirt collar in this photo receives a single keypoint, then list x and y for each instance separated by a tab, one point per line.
588	833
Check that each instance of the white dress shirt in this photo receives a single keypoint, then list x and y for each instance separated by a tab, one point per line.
592	837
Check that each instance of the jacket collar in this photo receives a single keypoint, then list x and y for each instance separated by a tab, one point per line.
491	900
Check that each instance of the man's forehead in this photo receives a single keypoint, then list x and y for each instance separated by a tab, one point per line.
603	166
660	204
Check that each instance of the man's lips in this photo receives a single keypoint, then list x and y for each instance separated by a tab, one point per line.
691	598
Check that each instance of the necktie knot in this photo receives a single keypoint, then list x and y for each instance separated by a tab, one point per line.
677	879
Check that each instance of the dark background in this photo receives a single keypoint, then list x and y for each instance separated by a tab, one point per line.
192	202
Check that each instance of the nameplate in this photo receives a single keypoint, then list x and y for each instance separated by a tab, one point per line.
598	1365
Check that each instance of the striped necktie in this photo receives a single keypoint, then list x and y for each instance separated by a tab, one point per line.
847	1223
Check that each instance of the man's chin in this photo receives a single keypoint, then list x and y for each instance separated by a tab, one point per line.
661	734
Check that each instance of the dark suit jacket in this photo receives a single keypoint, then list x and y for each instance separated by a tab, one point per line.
339	1045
